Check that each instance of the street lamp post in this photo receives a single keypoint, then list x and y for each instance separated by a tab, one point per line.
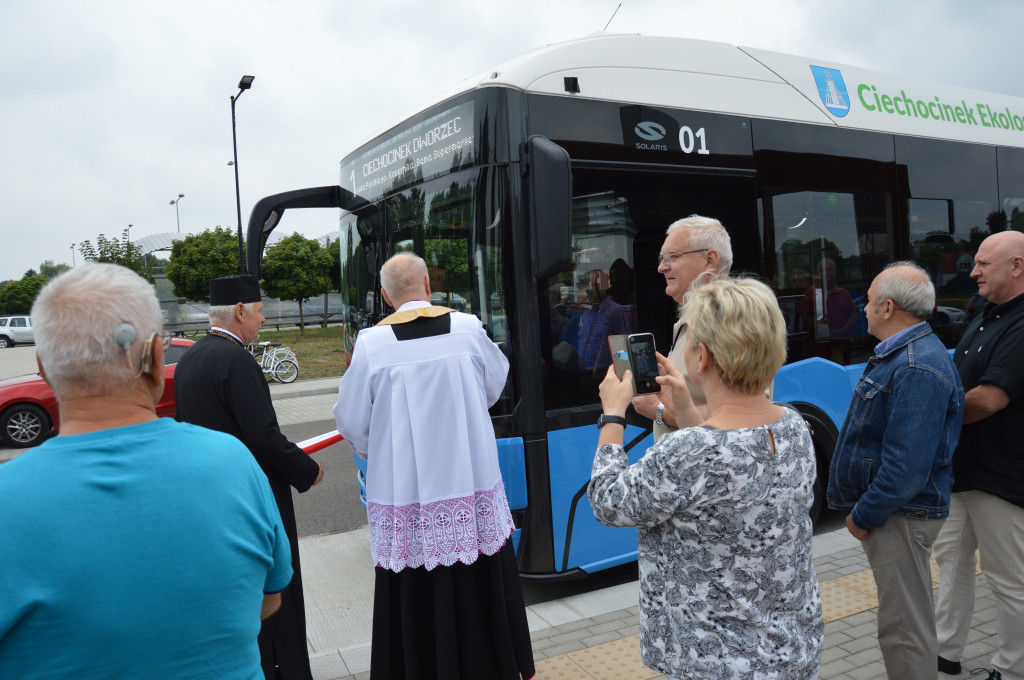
176	215
244	84
72	255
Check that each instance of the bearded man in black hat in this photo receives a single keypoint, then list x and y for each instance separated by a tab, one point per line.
218	385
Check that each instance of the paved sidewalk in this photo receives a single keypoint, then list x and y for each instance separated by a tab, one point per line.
595	635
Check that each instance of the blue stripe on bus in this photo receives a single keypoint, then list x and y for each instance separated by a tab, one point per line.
512	461
818	382
571	458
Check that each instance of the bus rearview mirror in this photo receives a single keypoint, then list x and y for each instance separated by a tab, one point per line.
550	184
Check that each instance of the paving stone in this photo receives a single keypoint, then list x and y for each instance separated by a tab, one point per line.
607	636
854	645
565	648
580	634
573	625
603	628
872	671
834	668
632	629
612	616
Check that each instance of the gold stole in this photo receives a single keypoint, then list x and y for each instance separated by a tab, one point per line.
413	314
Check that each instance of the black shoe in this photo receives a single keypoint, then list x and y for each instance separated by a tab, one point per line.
950	667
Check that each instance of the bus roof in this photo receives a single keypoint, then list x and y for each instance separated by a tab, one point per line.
718	77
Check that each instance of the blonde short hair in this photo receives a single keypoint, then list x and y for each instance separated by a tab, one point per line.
740	323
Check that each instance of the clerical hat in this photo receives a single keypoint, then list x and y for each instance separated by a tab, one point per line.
230	290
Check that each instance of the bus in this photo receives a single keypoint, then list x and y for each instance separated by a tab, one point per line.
542	187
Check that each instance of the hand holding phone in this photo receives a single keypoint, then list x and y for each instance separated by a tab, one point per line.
636	352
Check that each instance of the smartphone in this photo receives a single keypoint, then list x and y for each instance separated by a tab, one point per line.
619	347
636	353
643	363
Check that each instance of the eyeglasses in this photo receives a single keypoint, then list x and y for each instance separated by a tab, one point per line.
672	255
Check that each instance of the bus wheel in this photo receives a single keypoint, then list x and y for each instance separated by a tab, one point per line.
824	437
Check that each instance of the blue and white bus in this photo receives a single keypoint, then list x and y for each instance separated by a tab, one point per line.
544	186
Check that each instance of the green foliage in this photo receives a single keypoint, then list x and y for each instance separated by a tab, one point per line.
117	251
296	268
334	248
17	296
51	270
197	258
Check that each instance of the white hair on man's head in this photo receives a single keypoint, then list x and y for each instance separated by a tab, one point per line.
707	233
402	273
911	289
224	315
76	316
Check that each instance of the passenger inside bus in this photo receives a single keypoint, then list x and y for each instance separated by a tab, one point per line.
615	315
834	316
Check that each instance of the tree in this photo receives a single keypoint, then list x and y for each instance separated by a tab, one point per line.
197	258
117	251
17	296
333	246
51	270
296	268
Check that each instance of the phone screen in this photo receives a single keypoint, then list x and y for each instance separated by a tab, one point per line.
643	363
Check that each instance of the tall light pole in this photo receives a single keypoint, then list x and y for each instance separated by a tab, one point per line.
176	215
244	84
72	255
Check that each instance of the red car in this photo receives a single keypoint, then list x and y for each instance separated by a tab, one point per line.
28	407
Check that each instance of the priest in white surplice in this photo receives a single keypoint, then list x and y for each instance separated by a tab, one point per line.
413	402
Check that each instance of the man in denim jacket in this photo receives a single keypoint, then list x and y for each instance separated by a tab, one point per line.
892	467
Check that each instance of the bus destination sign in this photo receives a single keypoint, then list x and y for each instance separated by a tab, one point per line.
439	143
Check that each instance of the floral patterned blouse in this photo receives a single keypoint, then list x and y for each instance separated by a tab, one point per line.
727	587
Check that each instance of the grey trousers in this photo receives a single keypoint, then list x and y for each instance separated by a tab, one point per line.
898	554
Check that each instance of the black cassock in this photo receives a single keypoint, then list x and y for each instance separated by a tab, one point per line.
218	385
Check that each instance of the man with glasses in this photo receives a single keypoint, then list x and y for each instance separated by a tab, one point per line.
218	385
133	546
695	248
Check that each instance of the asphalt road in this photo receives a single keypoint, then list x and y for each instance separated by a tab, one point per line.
333	504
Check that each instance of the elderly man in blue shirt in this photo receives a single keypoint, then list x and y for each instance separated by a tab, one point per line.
892	468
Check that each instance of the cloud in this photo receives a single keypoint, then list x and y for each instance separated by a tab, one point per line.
112	108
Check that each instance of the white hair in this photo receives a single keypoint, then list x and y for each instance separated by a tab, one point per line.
914	294
707	233
76	316
224	315
403	274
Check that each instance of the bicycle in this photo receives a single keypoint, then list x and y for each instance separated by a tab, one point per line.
278	363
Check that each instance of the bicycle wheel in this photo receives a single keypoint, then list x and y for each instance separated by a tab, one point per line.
286	371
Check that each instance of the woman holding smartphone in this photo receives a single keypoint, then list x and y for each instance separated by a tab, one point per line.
727	588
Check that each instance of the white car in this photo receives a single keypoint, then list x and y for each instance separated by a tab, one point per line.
15	330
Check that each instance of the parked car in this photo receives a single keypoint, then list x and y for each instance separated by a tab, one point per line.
15	330
28	407
448	299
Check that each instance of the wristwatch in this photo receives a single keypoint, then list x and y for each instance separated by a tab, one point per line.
659	414
605	419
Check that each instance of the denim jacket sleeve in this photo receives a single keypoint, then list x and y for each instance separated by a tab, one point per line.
914	433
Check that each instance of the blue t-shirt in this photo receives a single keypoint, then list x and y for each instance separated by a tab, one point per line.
137	552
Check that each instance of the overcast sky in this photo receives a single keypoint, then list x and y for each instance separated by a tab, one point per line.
112	108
